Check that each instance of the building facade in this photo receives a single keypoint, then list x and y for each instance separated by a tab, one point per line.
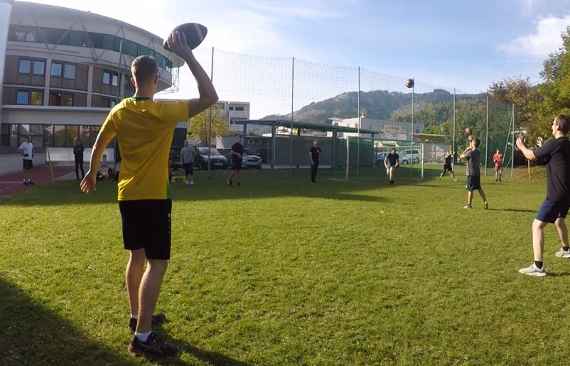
64	69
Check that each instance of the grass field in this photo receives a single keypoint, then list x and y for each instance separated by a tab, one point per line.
284	272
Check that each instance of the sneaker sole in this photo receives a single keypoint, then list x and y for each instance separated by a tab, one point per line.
534	274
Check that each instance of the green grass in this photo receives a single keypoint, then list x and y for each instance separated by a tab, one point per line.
284	272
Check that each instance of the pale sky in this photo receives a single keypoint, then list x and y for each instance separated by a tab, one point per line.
441	43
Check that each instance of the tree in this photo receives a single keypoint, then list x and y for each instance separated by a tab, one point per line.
198	127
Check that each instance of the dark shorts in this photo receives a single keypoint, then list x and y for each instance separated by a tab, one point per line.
146	225
550	211
448	168
473	183
28	164
236	164
188	169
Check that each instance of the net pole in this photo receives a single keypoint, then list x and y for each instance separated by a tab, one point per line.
487	136
358	130
453	132
513	141
210	120
292	115
347	158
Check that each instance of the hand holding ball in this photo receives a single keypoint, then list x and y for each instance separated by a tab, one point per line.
190	35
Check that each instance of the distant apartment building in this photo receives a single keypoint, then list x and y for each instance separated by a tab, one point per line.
64	69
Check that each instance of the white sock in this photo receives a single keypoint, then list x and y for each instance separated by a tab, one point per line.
142	336
133	316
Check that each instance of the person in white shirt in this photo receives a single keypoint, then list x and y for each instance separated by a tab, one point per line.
27	149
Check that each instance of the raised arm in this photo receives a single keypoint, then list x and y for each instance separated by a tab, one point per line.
528	153
208	96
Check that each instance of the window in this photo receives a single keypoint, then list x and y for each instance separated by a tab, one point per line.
37	98
58	98
26	97
239	108
39	67
110	78
22	98
56	69
69	71
24	66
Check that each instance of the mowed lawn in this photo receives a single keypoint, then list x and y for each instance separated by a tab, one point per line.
284	272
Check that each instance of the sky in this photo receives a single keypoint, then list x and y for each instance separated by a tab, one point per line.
440	43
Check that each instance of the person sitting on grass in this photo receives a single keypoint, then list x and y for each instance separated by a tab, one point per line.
555	154
473	157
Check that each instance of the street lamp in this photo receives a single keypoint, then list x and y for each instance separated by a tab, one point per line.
410	84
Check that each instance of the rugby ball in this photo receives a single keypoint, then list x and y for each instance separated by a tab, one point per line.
194	32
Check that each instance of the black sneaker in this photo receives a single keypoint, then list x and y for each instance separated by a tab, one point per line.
153	347
157	320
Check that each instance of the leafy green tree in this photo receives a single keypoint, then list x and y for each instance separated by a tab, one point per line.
198	125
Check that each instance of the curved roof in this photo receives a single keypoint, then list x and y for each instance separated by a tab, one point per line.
40	15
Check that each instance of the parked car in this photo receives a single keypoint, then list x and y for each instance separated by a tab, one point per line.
218	160
251	161
410	157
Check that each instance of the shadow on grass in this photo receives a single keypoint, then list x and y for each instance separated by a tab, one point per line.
207	357
512	210
255	185
31	334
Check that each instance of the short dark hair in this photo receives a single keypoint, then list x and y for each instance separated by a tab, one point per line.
477	142
563	123
144	68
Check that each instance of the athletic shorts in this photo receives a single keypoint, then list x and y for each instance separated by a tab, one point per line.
550	211
27	164
447	168
146	225
473	183
236	164
188	169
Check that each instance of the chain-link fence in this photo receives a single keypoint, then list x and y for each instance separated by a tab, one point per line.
374	111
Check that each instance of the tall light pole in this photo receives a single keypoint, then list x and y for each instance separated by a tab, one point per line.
410	84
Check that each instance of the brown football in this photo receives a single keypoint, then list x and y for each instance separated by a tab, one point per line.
194	32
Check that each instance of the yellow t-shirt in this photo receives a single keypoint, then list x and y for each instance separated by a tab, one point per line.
144	130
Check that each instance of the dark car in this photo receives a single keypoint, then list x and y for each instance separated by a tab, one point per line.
251	161
218	160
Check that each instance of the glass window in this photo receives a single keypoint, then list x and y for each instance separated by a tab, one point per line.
56	69
37	98
72	133
48	135
69	71
39	67
67	100
22	97
59	135
36	130
24	66
31	36
14	136
106	78
115	81
20	36
130	48
23	130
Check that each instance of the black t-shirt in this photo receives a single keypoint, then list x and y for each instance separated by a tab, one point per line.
448	159
78	151
237	148
315	153
392	159
555	153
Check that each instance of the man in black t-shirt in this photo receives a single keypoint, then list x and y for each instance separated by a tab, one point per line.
236	160
555	154
314	155
448	165
78	155
473	157
391	163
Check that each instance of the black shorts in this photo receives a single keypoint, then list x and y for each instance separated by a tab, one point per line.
188	169
146	225
550	211
27	164
447	168
236	164
473	183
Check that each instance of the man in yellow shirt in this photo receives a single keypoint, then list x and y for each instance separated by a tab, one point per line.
144	129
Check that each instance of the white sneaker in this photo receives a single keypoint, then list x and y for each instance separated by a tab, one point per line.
533	270
561	253
467	206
